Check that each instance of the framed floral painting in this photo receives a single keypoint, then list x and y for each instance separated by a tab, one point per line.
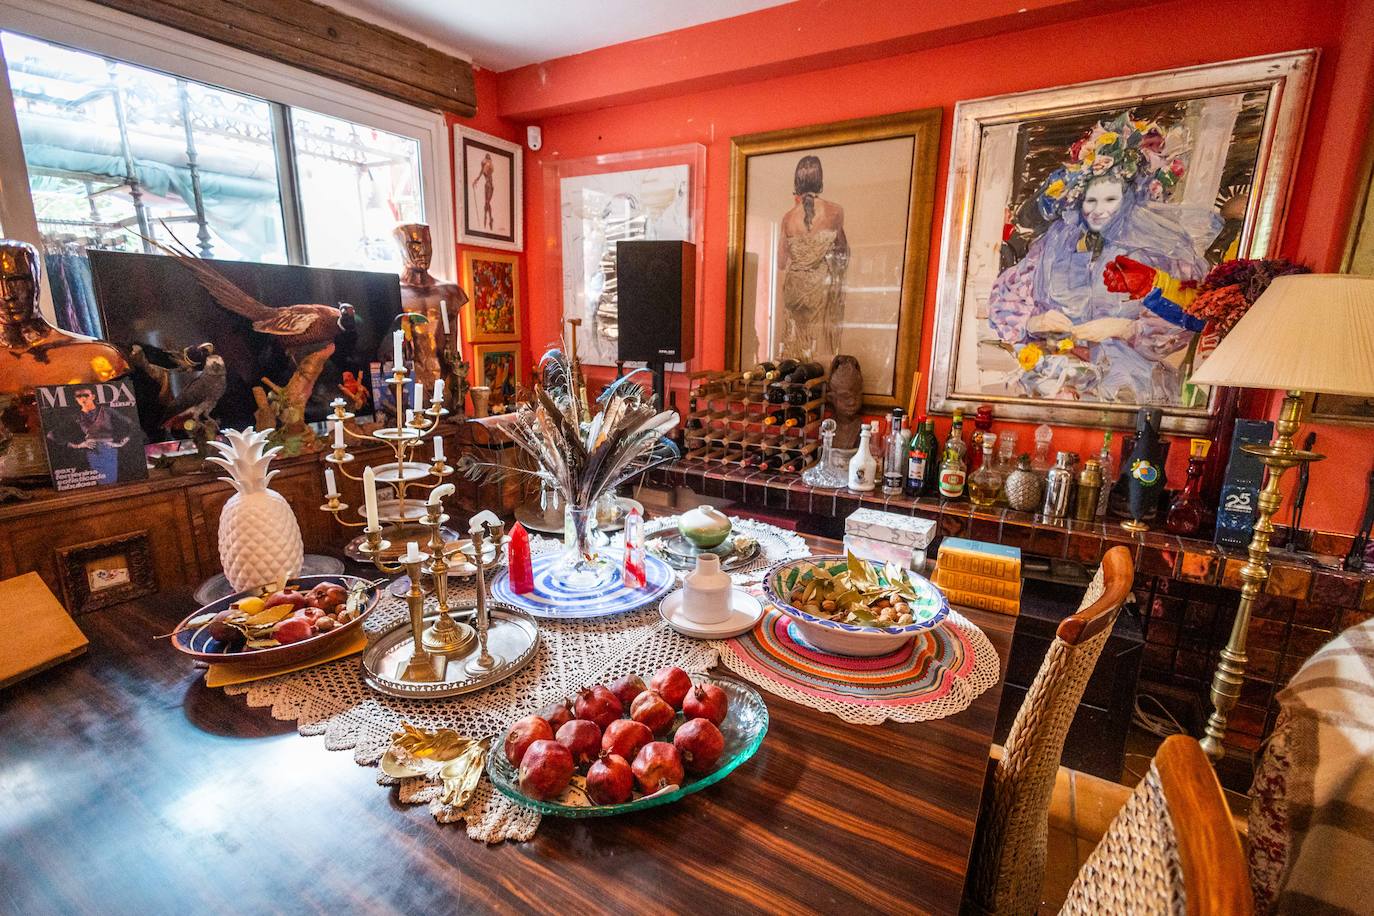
498	366
492	282
829	242
1070	215
488	177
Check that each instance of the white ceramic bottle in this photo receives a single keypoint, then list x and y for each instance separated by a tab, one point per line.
706	592
863	467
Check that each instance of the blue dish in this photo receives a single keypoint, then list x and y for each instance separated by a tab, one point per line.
553	600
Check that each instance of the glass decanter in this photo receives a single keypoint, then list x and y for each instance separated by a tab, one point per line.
986	482
823	473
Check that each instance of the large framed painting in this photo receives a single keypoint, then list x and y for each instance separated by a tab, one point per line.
1064	205
498	366
488	173
600	201
492	282
829	238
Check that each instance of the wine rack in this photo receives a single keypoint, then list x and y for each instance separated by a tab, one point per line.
754	423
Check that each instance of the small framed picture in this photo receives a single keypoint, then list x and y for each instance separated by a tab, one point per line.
98	574
498	366
488	173
492	282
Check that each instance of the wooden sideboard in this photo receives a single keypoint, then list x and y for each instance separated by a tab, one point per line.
178	515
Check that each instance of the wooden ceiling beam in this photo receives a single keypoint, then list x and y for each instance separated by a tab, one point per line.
324	41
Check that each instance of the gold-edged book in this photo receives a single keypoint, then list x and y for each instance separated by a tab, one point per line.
1009	589
992	603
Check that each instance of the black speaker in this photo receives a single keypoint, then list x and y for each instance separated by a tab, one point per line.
656	301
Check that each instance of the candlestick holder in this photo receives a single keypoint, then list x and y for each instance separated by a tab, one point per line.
401	518
445	634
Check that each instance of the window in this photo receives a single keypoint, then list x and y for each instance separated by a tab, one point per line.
122	146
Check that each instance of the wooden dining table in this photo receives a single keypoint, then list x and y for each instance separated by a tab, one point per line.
128	786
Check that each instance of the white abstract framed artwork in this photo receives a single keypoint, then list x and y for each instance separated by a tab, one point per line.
602	200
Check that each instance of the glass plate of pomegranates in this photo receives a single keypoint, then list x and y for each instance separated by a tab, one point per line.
629	745
262	628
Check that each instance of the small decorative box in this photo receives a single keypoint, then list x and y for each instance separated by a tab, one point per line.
889	537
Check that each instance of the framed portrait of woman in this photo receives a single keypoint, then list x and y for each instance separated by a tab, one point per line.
829	238
1072	213
488	177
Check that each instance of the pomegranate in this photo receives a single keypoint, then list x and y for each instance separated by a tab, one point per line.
610	780
293	629
705	701
625	737
285	596
627	688
651	709
673	684
657	764
522	734
700	743
582	739
556	714
599	705
545	770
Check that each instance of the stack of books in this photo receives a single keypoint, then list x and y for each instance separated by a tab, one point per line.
980	575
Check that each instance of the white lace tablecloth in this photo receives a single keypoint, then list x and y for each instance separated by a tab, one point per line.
332	700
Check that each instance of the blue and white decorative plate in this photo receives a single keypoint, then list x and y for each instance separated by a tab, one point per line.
553	600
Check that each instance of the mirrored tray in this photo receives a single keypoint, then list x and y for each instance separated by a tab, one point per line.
681	554
513	639
744	728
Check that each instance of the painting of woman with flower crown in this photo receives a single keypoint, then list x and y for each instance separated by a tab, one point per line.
1087	226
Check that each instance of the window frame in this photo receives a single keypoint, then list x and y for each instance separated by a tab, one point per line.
100	30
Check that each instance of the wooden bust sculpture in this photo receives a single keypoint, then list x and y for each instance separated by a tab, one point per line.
422	294
846	399
36	353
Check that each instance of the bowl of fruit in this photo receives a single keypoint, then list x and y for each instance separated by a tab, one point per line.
629	746
851	606
259	628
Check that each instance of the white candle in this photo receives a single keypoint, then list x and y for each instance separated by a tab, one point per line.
412	552
439	452
439	390
443	313
330	489
439	492
337	402
338	434
370	498
419	396
396	348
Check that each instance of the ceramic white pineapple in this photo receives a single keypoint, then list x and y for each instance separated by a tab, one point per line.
259	539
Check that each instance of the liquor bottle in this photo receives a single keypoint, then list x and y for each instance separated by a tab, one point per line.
956	437
863	468
895	456
920	467
1108	466
982	423
1187	512
986	482
952	470
1058	488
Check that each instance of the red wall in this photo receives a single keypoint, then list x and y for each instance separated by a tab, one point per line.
1114	43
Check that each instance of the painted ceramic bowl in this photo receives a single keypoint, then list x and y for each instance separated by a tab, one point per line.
704	526
195	640
744	727
929	608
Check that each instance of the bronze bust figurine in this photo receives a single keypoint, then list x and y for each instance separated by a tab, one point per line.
847	400
36	353
421	294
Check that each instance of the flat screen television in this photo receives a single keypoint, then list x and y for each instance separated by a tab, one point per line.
156	303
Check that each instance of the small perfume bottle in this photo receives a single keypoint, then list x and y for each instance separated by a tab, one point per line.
634	574
521	567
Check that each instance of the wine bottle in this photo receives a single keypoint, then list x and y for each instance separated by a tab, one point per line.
795	416
776	394
920	469
760	371
776	418
804	373
786	367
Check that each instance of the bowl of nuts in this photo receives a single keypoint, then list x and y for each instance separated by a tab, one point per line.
851	606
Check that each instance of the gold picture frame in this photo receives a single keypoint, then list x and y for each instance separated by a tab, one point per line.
500	393
888	351
489	279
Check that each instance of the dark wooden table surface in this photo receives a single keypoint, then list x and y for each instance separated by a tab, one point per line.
127	786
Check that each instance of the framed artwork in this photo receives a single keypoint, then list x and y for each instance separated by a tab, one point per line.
498	366
602	200
1056	197
829	239
101	573
493	287
488	174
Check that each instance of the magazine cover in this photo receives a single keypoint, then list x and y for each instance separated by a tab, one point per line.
92	434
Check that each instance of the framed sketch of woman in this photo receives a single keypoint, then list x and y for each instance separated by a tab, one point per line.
829	238
1072	212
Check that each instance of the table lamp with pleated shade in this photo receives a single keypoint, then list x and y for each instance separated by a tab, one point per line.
1307	333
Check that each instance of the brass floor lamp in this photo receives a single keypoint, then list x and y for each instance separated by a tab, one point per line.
1307	333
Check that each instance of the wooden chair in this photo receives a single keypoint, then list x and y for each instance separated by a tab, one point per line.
1008	862
1171	850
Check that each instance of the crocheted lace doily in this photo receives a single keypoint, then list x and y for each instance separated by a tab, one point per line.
332	700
